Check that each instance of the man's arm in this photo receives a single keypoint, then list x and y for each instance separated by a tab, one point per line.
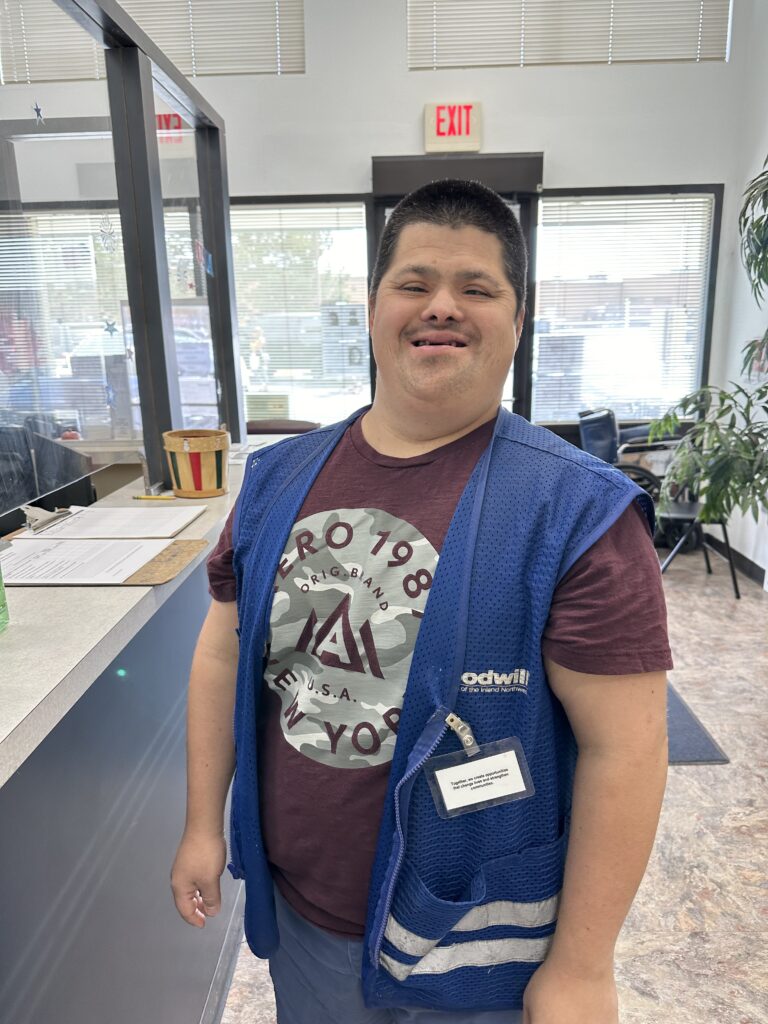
620	727
202	853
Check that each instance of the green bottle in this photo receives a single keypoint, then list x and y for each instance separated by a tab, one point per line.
3	600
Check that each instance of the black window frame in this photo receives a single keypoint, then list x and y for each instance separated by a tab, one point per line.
717	191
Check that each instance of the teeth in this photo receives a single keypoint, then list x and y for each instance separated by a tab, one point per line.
439	344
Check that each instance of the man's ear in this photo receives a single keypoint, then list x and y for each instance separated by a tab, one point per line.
519	321
371	309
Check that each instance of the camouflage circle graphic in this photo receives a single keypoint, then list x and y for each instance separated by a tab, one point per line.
350	592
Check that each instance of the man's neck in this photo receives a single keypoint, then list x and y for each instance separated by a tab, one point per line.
404	437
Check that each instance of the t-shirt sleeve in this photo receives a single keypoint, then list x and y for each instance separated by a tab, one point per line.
608	614
221	575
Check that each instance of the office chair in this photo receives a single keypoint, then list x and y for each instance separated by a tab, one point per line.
42	423
678	526
685	515
600	436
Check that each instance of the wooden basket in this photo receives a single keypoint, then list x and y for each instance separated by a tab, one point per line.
198	460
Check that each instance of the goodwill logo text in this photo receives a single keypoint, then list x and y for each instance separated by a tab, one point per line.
496	682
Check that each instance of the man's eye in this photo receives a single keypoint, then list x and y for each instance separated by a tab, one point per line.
413	288
476	291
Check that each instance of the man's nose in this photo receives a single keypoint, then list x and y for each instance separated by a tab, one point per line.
443	304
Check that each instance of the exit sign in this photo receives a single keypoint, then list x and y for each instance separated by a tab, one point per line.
452	127
169	127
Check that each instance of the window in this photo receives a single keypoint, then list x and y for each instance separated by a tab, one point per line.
301	277
65	356
621	291
517	33
201	37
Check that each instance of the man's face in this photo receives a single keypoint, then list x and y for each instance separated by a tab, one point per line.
444	322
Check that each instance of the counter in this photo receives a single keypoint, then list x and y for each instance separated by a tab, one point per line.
75	632
92	794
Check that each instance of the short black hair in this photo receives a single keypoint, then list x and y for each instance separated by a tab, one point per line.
455	203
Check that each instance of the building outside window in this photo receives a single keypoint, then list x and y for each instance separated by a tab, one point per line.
621	301
301	277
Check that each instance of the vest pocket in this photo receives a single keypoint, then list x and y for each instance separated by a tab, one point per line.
235	865
505	919
527	875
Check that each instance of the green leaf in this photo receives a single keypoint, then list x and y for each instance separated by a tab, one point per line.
753	228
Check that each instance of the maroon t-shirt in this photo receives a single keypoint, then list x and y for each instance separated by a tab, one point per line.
349	594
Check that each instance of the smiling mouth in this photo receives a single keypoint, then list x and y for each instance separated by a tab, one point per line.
439	344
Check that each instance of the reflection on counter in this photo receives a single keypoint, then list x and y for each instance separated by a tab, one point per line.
33	463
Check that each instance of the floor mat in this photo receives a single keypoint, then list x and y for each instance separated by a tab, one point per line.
689	741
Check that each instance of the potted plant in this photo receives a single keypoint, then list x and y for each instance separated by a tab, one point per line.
723	458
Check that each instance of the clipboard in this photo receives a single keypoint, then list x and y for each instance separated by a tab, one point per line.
110	523
167	565
66	563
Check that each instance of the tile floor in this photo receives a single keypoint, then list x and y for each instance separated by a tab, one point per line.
693	949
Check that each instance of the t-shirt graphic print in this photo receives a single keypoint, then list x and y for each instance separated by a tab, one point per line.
350	593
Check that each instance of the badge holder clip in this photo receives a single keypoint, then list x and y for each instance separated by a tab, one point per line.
478	775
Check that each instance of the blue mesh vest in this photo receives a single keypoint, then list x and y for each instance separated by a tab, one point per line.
461	911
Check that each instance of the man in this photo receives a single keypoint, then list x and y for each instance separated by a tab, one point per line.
450	674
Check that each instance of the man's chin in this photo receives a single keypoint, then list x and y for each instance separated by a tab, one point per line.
439	385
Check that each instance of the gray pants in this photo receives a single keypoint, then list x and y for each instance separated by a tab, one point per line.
317	981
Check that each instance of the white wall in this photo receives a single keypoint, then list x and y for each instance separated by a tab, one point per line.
629	124
745	320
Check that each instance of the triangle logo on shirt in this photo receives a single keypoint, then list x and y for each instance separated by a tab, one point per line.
329	649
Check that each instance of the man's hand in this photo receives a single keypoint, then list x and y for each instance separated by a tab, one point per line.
202	853
199	864
554	996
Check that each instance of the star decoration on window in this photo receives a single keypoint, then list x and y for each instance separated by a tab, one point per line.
107	234
184	275
110	327
38	113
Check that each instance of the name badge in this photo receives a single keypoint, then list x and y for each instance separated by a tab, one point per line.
478	776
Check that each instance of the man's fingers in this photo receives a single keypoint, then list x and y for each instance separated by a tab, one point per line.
210	898
195	877
189	904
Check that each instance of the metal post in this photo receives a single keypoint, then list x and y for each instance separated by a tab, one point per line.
730	561
688	531
137	166
522	381
217	239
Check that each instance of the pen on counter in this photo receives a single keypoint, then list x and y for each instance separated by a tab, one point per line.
154	497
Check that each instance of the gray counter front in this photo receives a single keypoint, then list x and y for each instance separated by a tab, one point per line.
92	769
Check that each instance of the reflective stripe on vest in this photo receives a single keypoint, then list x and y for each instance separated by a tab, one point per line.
509	914
505	913
491	953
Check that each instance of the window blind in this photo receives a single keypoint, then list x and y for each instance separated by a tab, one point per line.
66	345
39	43
63	349
621	290
226	37
508	33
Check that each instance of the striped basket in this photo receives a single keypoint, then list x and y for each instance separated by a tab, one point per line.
198	462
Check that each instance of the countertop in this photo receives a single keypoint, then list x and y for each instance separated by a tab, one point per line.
60	639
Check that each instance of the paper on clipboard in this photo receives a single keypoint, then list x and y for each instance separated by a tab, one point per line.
57	562
119	523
